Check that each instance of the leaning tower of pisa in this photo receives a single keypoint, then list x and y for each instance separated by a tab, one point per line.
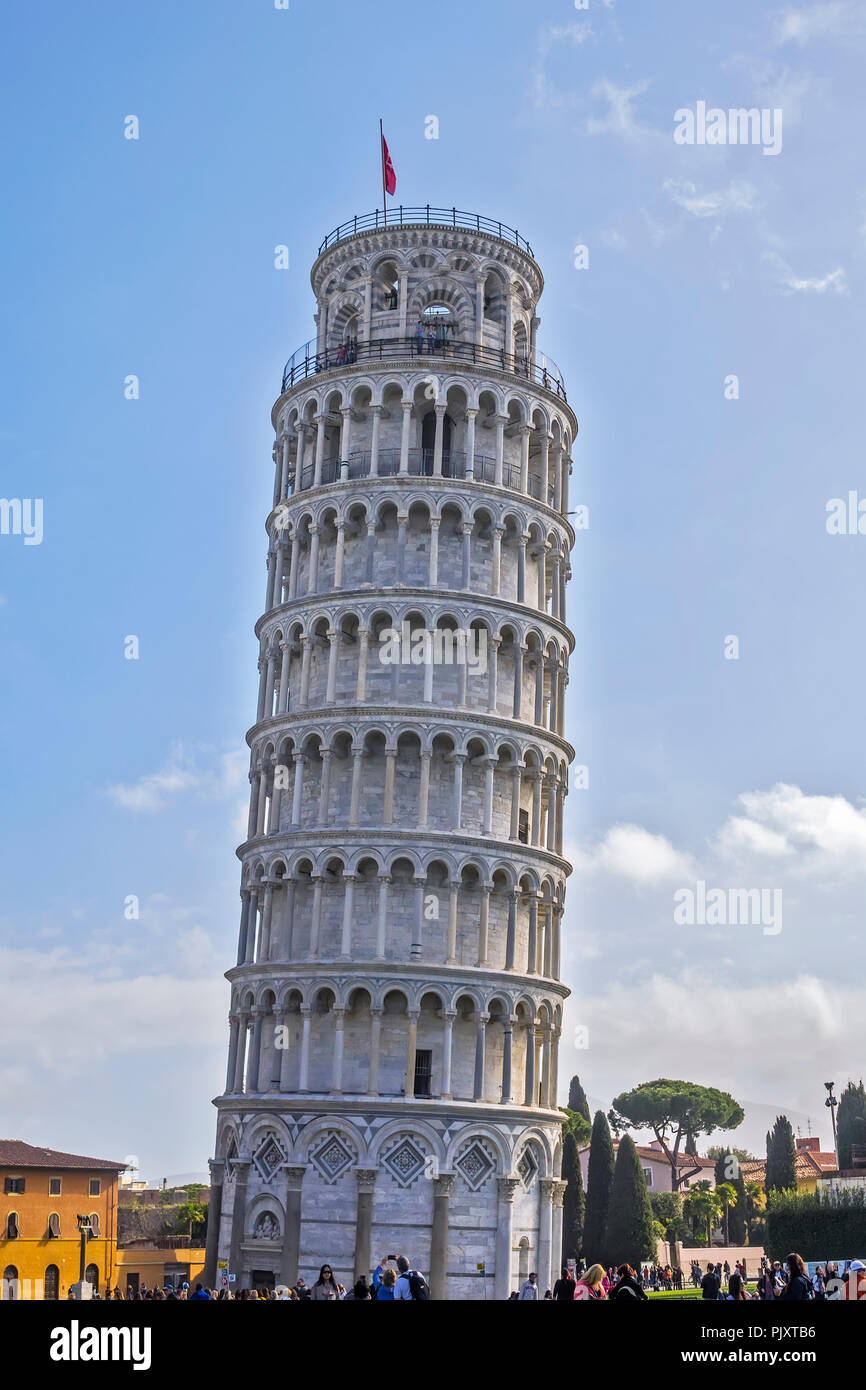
396	1005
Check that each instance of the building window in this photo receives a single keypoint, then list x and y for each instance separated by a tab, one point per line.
12	1230
423	1072
54	1226
15	1185
523	827
52	1282
95	1187
94	1225
648	1174
55	1187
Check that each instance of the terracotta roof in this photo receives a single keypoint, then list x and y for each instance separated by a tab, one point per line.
809	1163
683	1160
16	1154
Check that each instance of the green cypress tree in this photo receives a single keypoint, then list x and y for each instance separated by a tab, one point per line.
850	1122
599	1181
630	1237
577	1099
728	1170
573	1202
781	1171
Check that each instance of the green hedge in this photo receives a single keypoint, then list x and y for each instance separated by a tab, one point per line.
817	1226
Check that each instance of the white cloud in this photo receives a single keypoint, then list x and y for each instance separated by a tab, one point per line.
631	852
836	19
739	196
153	791
835	281
827	830
545	93
658	232
724	1034
620	118
82	1009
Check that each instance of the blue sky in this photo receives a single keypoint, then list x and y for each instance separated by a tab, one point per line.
707	516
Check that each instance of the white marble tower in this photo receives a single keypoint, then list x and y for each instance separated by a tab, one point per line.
396	1004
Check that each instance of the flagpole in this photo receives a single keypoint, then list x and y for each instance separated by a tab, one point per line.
382	157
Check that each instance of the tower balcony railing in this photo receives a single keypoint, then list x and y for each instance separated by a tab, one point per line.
421	463
425	216
309	360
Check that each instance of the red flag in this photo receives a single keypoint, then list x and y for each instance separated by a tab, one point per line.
390	178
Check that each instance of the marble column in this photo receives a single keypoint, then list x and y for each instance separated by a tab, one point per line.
545	1234
366	1179
240	1173
214	1213
290	1259
480	1055
411	1046
447	1047
506	1189
443	1186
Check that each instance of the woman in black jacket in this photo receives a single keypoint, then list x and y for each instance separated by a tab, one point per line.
799	1285
627	1289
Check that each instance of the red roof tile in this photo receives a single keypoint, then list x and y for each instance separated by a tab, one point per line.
14	1153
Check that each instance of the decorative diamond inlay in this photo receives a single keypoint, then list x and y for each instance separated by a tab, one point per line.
527	1168
475	1166
406	1162
332	1158
269	1158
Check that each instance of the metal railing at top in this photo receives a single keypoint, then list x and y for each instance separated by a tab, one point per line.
308	361
426	216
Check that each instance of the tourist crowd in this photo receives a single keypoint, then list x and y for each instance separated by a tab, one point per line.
395	1280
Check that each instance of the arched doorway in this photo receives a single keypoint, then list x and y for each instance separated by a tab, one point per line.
52	1282
10	1282
91	1274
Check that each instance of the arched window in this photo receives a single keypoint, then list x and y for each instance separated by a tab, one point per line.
436	326
52	1282
91	1274
12	1228
54	1226
10	1282
390	282
94	1225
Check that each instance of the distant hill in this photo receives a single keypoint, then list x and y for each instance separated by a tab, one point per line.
180	1179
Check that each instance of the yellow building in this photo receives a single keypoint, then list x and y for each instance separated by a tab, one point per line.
44	1192
156	1267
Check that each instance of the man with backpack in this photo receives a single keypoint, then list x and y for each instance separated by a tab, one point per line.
410	1285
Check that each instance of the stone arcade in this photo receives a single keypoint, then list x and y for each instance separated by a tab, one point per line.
403	882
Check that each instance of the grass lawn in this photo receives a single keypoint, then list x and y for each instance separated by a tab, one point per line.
689	1293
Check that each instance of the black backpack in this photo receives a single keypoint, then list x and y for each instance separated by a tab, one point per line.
418	1287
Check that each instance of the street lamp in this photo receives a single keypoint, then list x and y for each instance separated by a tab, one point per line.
85	1230
831	1102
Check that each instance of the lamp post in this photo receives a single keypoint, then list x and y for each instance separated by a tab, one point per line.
84	1229
831	1102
